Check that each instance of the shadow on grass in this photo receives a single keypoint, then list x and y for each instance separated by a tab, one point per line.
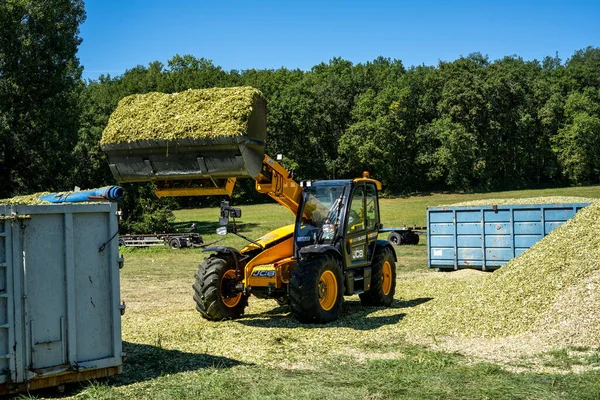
209	228
143	363
354	315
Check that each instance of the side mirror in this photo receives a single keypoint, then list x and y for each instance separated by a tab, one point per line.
222	230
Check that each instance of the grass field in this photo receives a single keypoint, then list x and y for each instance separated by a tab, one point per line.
366	354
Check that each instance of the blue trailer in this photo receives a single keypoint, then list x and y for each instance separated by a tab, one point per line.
487	237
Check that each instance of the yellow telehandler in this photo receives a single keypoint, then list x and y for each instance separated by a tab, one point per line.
330	251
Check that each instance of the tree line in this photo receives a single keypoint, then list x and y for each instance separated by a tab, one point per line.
463	125
469	124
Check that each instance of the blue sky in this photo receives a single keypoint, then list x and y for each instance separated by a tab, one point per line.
120	34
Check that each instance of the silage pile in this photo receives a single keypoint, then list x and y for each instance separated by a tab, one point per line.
204	113
524	201
551	289
27	200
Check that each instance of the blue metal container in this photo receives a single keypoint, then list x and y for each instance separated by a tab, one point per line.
487	237
60	311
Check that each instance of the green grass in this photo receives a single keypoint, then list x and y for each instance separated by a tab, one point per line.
366	354
416	373
411	210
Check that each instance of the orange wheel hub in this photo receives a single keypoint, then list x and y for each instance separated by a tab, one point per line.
328	290
386	277
230	301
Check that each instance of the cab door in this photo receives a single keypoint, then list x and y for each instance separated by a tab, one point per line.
372	217
356	240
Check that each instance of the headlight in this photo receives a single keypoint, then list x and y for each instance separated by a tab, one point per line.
328	228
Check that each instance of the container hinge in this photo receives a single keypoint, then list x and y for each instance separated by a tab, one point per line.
120	262
122	308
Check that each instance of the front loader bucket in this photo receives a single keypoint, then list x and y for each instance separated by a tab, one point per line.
192	158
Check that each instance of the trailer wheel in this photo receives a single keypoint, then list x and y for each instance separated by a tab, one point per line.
214	290
122	242
395	238
174	243
196	239
383	279
317	290
413	238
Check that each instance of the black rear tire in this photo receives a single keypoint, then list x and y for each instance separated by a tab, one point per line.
383	279
214	299
317	290
174	243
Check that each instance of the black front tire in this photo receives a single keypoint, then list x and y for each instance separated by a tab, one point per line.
317	290
383	279
214	300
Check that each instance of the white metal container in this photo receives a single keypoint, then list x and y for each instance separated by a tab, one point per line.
60	312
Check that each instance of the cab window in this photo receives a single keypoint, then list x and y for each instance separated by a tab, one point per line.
356	213
372	211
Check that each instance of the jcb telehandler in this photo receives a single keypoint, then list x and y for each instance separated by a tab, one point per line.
330	251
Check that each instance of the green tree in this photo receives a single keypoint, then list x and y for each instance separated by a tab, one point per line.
383	137
39	86
578	141
468	124
454	160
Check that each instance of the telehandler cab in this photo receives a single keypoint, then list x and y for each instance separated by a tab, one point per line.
330	251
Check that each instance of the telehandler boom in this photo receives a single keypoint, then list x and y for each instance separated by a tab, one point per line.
330	251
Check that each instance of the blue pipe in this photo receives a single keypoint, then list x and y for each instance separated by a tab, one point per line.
111	193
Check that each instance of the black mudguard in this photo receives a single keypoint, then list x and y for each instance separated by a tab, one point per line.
222	249
318	249
385	243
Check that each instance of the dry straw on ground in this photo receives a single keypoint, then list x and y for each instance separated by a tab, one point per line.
548	288
204	113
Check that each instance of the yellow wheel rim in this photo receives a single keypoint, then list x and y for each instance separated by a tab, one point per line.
386	273
328	290
230	301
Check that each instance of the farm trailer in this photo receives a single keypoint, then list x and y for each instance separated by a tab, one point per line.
404	235
487	237
60	311
174	240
